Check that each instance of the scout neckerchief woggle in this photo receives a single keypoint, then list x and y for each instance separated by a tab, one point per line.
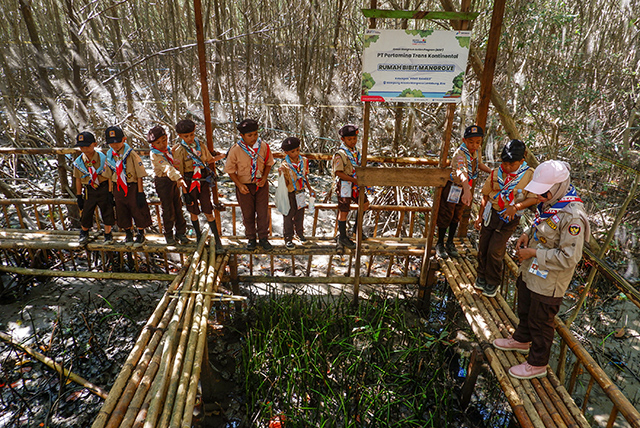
471	162
508	183
253	154
118	164
194	154
90	171
299	169
571	196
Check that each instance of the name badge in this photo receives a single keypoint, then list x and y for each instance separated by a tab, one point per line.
535	269
345	189
301	199
454	194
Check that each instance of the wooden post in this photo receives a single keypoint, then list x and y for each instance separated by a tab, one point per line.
486	83
475	366
206	108
360	215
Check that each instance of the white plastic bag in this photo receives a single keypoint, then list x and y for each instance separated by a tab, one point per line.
282	196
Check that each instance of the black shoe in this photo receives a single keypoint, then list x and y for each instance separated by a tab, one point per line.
84	237
481	283
490	290
451	250
289	244
441	252
170	239
129	237
265	244
302	239
344	241
183	240
140	239
108	238
252	245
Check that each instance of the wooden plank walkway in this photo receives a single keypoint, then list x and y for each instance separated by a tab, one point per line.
542	402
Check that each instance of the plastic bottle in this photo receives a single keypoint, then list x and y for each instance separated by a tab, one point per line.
519	198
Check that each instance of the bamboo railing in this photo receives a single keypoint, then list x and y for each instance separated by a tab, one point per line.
582	359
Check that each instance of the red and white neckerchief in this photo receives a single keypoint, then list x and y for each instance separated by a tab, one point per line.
93	175
120	174
195	179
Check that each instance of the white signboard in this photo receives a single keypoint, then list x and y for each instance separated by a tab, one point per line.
414	65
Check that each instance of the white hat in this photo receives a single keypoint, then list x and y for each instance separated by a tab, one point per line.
546	175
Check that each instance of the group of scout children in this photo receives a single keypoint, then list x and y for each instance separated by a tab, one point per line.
503	199
183	175
115	179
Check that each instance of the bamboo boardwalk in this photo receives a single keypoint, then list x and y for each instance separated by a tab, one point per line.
543	402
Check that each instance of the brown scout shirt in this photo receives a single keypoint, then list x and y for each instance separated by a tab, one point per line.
94	162
290	175
239	162
342	163
459	167
491	187
163	168
133	167
559	244
183	161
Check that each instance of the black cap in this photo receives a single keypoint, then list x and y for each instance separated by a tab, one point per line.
185	126
155	133
348	131
85	139
290	143
247	126
513	151
113	134
473	131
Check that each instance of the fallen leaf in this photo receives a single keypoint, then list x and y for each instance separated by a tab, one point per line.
620	333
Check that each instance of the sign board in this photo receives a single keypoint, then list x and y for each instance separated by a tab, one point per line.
414	65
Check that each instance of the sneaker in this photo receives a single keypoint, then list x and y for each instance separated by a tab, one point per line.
252	245
527	371
441	252
170	239
129	237
289	244
84	237
480	283
108	238
510	344
302	239
183	240
490	290
344	241
140	239
451	250
265	244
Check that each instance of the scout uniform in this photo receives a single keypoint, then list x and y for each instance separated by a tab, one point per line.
191	163
126	167
296	177
166	182
557	235
502	190
346	160
94	178
249	163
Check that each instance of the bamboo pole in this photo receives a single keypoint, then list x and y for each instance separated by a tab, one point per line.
56	366
193	328
324	279
623	404
81	274
141	343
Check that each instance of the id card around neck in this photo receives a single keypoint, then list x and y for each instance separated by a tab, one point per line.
454	194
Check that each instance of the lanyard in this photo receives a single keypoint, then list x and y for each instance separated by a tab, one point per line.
354	159
471	171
